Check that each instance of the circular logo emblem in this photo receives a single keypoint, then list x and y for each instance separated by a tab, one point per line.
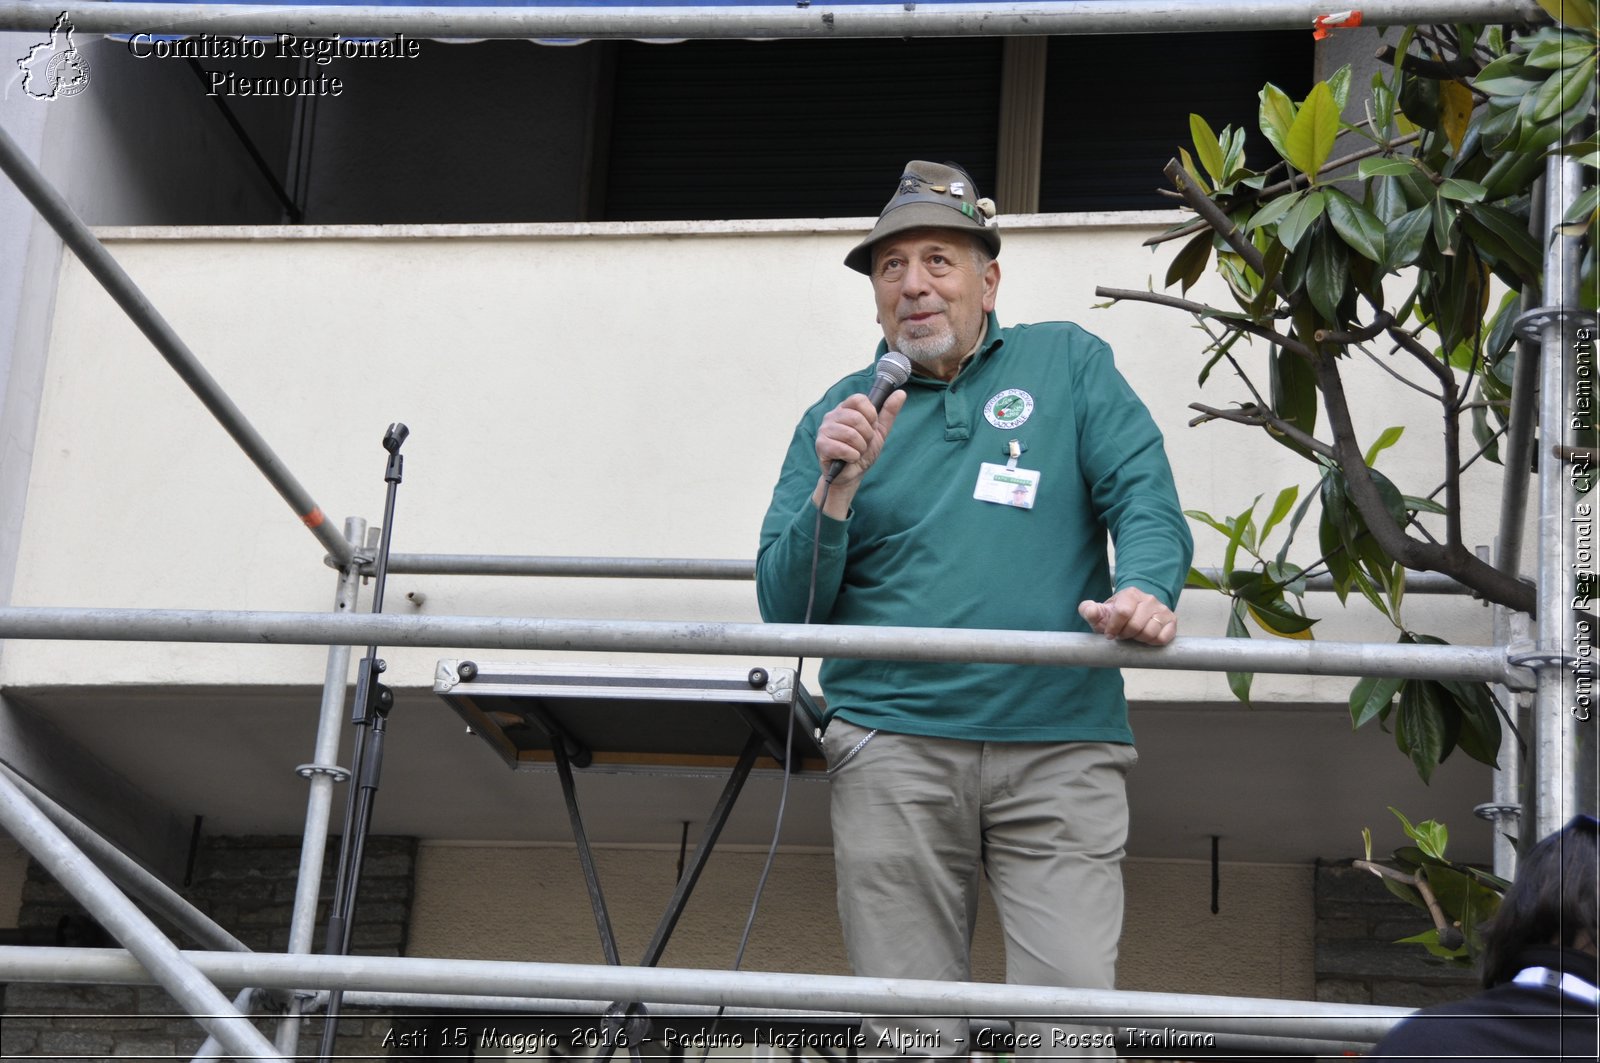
67	74
1009	409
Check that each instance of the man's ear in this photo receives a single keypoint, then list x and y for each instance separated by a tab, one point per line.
991	284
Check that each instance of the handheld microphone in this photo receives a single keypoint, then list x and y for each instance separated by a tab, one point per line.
894	369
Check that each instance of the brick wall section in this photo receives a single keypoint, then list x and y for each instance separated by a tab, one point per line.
1357	960
247	885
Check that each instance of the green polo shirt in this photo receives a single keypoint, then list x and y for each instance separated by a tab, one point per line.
918	550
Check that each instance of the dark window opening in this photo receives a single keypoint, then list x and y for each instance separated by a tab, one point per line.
1117	108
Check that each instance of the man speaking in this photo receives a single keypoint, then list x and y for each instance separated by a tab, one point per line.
980	496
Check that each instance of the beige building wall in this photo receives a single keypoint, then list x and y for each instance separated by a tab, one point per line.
519	902
581	390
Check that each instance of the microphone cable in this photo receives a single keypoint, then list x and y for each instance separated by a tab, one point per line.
893	370
788	772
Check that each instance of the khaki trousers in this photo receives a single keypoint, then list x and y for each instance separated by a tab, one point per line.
916	820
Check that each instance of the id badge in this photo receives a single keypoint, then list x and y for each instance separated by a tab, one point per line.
1007	485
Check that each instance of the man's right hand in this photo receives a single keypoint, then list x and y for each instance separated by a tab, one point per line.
854	433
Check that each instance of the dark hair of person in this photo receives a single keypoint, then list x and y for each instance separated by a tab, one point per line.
1552	901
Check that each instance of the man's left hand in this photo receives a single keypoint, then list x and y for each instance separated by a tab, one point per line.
1131	614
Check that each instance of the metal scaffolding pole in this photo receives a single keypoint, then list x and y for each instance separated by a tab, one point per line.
721	569
1559	647
1483	663
105	269
147	947
1504	808
820	20
321	774
1364	1024
129	874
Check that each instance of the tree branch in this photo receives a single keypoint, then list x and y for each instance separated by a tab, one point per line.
1413	385
1458	68
1288	343
1221	224
1451	559
1451	402
1261	417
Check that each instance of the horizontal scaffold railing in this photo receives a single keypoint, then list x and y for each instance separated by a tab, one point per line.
720	569
1365	1024
1490	664
672	21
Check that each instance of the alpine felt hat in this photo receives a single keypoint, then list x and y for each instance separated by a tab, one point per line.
930	195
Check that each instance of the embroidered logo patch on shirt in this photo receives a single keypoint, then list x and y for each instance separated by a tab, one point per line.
1009	408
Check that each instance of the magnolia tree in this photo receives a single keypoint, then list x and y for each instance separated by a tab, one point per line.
1385	253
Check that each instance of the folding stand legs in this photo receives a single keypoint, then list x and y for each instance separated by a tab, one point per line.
624	1026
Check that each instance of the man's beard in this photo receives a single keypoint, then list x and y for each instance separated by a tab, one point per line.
929	349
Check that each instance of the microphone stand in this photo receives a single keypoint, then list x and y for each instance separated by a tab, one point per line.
369	713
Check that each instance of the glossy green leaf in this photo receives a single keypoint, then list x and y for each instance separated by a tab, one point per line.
1277	618
1273	211
1386	439
1208	520
1371	696
1510	240
1277	116
1331	539
1206	148
1561	52
1294	394
1581	213
1479	735
1300	217
1586	151
1580	13
1393	502
1266	293
1443	219
1404	241
1422	505
1339	87
1507	76
1382	107
1233	153
1419	101
1327	275
1356	225
1361	578
1294	528
1190	168
1484	435
1464	191
1515	87
1280	509
1564	90
1241	533
1312	133
1420	728
1239	682
1431	836
1290	578
1388	199
1404	892
1189	264
1385	166
1200	581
